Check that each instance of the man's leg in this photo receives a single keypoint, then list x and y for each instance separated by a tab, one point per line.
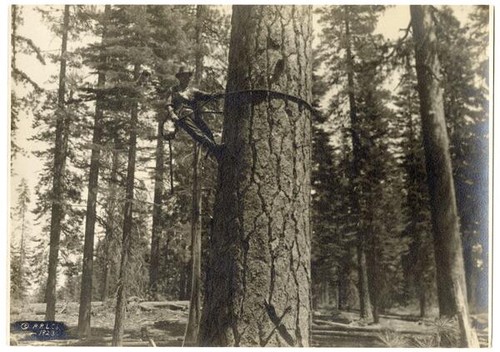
203	126
198	135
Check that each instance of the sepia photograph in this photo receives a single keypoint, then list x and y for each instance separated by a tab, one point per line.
249	175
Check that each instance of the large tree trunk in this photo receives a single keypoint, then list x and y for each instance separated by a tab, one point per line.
60	148
88	247
452	294
121	300
193	325
365	310
259	275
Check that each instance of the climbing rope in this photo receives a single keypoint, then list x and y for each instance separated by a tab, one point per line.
258	93
264	93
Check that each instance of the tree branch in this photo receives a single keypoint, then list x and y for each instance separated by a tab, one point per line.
23	77
33	47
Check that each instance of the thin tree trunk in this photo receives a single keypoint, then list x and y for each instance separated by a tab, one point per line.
193	325
342	289
157	214
184	280
365	307
110	233
417	269
364	293
60	149
326	290
258	285
471	271
13	35
84	329
452	294
422	303
22	255
121	300
409	260
88	249
171	167
336	294
14	102
373	285
198	72
106	270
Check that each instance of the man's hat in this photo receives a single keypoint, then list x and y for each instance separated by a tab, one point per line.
183	71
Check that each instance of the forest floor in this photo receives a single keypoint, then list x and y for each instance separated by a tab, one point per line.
334	328
165	323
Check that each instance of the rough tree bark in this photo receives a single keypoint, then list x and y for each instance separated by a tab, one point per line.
365	309
60	151
452	294
121	300
193	325
258	285
90	219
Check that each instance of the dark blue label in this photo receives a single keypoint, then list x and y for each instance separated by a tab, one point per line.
42	330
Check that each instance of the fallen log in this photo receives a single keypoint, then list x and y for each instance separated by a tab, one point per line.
373	332
149	306
345	333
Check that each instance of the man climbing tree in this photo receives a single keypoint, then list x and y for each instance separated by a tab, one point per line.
183	106
258	280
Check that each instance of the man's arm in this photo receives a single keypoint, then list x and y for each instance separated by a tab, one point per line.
170	115
170	106
200	95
